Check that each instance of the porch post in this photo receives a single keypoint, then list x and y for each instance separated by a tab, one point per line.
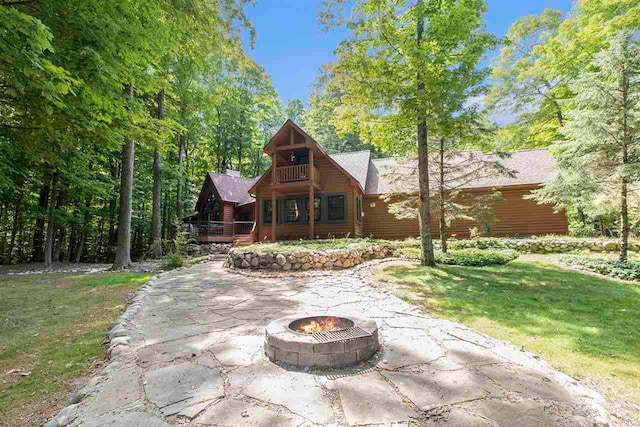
274	215
312	211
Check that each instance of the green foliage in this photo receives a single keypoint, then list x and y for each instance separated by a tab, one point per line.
627	270
174	260
603	130
476	257
295	111
63	67
375	75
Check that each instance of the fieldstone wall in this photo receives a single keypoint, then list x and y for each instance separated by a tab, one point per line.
541	245
305	260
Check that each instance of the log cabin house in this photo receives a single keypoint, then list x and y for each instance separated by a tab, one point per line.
345	190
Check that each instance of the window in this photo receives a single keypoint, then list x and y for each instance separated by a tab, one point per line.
336	208
358	209
267	212
291	210
317	209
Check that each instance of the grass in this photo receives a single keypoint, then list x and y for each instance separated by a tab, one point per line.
288	246
52	326
584	325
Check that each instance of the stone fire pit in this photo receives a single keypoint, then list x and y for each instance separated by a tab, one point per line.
321	340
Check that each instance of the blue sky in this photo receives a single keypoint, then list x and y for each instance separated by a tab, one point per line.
292	47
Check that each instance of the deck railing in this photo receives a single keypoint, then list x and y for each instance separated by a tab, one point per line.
293	173
219	228
297	173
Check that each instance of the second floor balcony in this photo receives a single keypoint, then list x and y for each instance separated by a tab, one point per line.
297	173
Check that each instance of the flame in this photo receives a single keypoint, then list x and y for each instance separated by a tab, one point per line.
326	324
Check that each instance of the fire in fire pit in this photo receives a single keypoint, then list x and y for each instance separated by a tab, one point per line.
311	325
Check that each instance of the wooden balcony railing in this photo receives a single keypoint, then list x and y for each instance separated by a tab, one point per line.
297	173
219	228
293	173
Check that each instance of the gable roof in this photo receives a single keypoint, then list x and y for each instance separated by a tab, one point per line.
355	163
356	167
233	189
531	167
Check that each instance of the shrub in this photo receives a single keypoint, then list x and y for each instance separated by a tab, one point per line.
174	260
627	270
468	257
476	257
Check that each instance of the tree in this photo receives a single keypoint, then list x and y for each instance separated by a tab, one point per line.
395	74
295	111
319	121
602	134
524	87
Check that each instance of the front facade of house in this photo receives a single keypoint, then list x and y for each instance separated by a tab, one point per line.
309	194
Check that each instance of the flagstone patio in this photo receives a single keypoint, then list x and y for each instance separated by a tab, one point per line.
193	354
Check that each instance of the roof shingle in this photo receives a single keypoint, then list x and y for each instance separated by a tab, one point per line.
233	189
530	166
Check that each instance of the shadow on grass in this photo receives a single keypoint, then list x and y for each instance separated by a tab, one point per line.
595	316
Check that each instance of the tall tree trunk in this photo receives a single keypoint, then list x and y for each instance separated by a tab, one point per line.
624	210
112	238
51	226
443	219
581	216
123	249
21	233
37	252
624	216
3	236
60	234
180	178
85	229
156	214
219	143
14	228
426	240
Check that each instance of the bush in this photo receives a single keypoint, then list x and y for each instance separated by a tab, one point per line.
627	270
476	257
468	257
174	260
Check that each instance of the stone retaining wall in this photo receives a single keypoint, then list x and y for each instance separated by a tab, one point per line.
305	260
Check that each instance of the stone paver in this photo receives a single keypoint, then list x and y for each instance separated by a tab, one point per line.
190	353
369	399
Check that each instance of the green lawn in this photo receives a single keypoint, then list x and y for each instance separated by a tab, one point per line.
53	327
288	246
584	325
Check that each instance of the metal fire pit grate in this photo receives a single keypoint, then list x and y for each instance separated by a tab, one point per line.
342	335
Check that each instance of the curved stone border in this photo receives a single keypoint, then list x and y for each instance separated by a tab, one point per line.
120	340
302	350
305	260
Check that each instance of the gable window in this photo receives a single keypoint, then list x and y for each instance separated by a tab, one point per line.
336	208
291	210
358	209
267	212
